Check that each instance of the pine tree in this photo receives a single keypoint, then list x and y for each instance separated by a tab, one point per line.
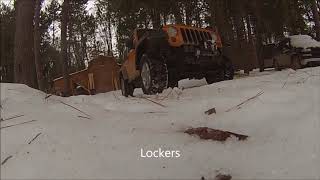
24	67
63	53
37	58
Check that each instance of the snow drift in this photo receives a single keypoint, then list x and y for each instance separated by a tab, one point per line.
104	141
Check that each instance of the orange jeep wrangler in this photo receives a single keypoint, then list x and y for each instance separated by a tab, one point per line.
157	59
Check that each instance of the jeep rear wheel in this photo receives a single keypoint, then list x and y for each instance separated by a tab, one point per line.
154	75
126	88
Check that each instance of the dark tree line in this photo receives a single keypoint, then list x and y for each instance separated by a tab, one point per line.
42	40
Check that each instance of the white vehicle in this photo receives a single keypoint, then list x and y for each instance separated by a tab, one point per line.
296	52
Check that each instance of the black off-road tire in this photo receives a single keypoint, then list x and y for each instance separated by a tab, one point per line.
126	88
215	77
173	78
173	83
226	72
157	72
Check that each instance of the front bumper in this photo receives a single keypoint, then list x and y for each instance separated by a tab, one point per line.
309	60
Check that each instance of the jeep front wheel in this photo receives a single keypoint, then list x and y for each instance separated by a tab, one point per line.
126	87
154	75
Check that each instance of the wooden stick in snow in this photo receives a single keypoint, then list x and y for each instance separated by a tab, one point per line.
13	117
47	96
34	138
153	102
18	124
237	106
84	117
75	108
6	159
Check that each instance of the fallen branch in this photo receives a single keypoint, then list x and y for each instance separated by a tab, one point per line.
152	112
211	111
13	117
75	108
238	106
153	102
47	96
6	159
34	138
17	124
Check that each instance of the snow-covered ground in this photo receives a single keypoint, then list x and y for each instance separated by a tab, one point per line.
283	124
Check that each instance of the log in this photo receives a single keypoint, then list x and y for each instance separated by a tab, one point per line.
214	134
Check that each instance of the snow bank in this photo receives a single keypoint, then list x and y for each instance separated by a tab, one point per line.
282	125
303	41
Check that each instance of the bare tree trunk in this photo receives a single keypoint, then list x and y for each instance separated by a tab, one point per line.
53	32
177	12
156	19
316	18
110	38
63	58
37	60
258	33
188	11
24	67
249	28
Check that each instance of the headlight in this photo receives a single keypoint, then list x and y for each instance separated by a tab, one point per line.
172	32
